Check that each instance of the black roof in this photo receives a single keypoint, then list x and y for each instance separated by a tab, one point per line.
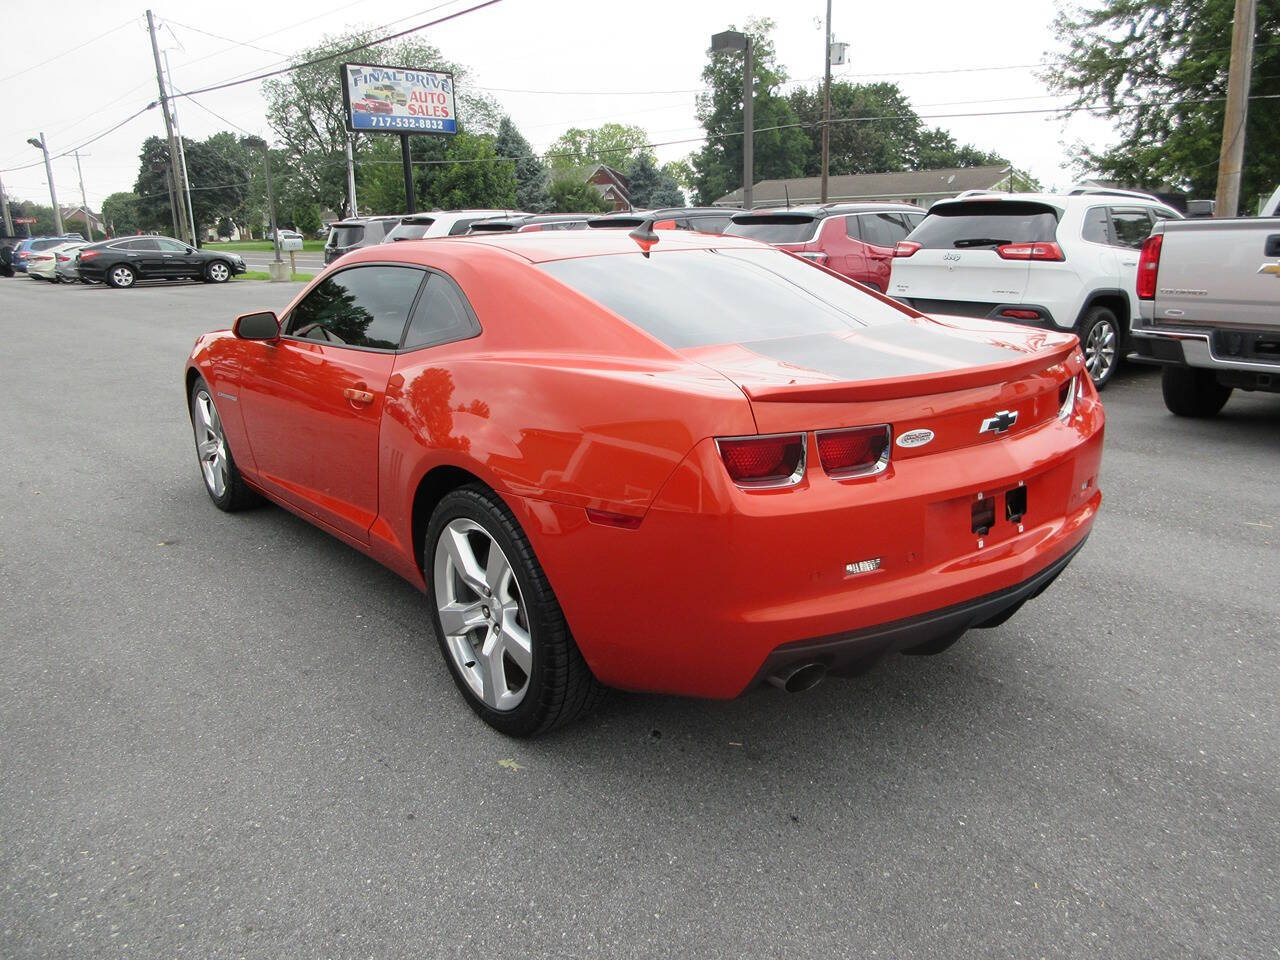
503	224
633	218
818	211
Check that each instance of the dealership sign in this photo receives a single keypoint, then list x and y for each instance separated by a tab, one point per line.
397	99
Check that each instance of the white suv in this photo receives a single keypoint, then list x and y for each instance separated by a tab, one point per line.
441	223
1058	261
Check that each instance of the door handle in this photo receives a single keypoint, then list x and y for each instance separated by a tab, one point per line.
358	396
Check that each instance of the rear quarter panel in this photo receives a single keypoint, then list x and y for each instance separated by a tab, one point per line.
1209	274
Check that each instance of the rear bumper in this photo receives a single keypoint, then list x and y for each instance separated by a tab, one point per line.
1222	350
842	654
1043	319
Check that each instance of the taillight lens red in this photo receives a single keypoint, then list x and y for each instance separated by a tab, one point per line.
763	461
1149	266
905	248
1030	251
531	228
665	225
89	254
1014	313
860	450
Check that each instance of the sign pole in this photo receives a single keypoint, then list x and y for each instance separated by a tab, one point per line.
408	174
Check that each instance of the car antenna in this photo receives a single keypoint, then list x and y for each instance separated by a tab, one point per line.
645	235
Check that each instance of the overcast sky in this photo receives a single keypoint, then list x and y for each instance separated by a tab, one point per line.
631	63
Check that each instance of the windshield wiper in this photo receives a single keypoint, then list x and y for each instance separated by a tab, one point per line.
980	242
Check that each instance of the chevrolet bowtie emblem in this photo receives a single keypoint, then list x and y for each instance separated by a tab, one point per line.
1000	422
1271	268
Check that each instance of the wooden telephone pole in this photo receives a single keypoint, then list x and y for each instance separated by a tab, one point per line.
175	172
826	106
1231	158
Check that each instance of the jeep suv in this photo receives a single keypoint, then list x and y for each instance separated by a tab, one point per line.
853	239
1057	261
356	232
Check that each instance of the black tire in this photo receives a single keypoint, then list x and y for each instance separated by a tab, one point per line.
217	271
561	687
1101	339
1192	392
117	274
235	494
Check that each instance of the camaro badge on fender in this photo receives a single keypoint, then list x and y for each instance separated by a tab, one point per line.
1000	422
915	438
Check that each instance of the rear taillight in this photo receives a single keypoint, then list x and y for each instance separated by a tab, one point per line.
1029	251
531	228
1068	394
1149	266
763	461
89	254
854	452
665	225
1015	313
905	248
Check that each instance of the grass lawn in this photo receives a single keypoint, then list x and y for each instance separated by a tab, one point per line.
263	275
262	246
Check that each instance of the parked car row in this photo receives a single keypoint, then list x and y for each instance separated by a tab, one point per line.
121	262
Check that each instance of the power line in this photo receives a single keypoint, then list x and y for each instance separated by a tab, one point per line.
329	58
59	56
218	36
93	139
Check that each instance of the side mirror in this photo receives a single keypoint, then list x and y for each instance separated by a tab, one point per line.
190	251
257	326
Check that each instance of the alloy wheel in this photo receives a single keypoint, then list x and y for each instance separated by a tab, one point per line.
211	445
1100	350
482	614
218	272
122	277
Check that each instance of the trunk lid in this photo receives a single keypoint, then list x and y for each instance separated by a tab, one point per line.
945	377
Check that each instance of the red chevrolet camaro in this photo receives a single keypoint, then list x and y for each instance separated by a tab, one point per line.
665	462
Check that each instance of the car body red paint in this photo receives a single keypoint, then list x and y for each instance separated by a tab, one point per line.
601	439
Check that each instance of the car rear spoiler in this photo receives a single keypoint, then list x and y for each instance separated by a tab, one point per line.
919	385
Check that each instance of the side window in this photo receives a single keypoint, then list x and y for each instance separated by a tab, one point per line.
851	227
1132	225
441	316
170	246
883	229
914	220
709	224
359	307
1096	227
463	225
145	244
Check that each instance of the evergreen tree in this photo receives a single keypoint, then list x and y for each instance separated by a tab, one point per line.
651	187
532	194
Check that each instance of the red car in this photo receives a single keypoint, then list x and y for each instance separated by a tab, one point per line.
667	462
853	239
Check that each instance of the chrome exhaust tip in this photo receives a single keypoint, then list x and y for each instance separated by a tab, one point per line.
806	676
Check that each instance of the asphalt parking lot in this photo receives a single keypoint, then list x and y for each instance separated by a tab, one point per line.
226	736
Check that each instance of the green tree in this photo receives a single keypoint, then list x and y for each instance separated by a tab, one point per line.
651	187
780	148
120	213
224	228
615	144
217	177
1143	62
44	225
570	195
471	175
530	172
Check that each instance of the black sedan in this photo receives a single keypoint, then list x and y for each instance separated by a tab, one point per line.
123	262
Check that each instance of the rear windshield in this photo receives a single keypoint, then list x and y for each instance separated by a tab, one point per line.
492	226
696	298
613	223
409	231
346	236
985	224
774	227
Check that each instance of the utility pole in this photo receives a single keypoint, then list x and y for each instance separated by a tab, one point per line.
4	206
84	202
1231	158
43	147
182	156
351	177
410	206
175	171
173	204
826	107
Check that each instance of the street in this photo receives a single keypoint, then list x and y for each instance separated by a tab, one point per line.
235	736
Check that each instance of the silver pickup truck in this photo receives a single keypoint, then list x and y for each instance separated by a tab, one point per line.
1209	298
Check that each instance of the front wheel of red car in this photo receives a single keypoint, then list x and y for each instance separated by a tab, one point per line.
502	632
222	479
